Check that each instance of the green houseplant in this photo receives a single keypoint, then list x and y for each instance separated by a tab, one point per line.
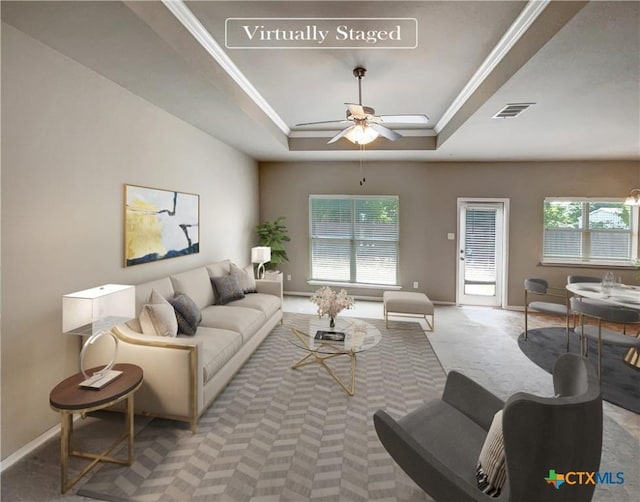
274	234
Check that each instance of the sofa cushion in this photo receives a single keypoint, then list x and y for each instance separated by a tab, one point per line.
219	268
196	285
158	317
218	347
187	314
246	278
267	304
492	470
227	288
245	321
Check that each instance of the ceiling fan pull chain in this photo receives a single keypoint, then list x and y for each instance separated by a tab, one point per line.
362	178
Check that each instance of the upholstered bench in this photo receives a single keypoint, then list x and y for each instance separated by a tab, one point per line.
408	303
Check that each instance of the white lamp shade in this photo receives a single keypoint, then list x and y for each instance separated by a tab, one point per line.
98	309
260	254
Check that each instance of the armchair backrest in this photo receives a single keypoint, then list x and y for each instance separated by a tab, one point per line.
561	434
536	286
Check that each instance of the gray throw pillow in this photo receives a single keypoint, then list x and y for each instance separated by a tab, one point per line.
227	288
187	313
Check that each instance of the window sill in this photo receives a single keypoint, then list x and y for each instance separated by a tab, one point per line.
388	287
617	266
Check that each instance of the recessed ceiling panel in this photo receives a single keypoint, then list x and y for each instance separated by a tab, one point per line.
305	85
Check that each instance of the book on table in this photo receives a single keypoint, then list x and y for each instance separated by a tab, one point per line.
330	336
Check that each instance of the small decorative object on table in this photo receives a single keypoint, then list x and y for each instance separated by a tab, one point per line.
331	303
330	336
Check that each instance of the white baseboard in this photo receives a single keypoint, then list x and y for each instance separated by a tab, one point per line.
32	445
19	454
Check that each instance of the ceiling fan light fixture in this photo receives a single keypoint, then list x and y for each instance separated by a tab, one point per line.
361	134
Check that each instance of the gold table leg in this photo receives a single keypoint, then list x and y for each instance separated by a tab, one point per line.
66	419
314	358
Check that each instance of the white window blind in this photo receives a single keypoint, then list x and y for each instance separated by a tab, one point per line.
354	239
590	231
480	254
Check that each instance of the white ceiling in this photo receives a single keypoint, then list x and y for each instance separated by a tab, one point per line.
579	62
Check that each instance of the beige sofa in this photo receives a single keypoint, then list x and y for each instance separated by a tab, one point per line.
184	374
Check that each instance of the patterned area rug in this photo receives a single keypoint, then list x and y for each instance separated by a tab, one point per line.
620	382
281	434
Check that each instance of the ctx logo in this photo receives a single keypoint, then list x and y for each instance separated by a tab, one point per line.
584	478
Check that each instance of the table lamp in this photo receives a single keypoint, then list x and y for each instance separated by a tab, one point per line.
260	255
93	312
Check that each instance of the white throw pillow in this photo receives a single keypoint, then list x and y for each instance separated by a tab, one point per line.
246	278
491	473
158	318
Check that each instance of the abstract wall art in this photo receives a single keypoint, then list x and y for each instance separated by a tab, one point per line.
159	224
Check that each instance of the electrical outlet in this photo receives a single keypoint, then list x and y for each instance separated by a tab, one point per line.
288	277
415	284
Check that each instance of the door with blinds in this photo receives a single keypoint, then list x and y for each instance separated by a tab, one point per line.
481	253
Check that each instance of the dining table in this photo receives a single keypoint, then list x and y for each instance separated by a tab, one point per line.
621	295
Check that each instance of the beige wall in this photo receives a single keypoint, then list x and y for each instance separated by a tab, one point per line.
70	141
428	206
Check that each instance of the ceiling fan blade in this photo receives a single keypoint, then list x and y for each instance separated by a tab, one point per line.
385	132
340	135
342	121
404	119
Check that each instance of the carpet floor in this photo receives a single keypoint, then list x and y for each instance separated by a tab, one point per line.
620	383
281	434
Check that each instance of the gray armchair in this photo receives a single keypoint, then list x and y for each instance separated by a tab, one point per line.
438	444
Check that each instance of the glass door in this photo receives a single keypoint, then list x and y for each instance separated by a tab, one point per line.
481	253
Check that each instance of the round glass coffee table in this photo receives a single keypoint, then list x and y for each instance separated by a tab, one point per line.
348	338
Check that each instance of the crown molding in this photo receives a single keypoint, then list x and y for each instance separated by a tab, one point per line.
522	23
206	40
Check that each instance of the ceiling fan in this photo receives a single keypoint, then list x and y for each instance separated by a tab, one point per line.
364	124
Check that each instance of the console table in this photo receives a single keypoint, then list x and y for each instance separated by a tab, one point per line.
68	398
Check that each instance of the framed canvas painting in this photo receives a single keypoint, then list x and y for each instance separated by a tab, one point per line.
159	224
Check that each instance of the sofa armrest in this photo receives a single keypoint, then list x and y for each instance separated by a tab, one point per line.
172	367
471	399
126	334
423	466
269	287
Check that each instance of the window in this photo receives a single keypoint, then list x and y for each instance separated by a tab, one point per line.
354	239
594	231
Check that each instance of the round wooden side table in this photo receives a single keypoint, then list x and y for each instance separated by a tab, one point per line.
68	398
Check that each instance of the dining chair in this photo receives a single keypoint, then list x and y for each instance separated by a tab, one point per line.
540	287
600	311
571	279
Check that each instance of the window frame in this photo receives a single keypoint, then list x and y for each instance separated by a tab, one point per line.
585	233
354	240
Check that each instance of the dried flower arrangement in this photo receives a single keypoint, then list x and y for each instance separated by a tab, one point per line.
331	303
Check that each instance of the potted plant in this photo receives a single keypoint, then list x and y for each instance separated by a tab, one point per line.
274	234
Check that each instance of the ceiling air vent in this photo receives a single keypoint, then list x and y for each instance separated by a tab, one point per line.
512	110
